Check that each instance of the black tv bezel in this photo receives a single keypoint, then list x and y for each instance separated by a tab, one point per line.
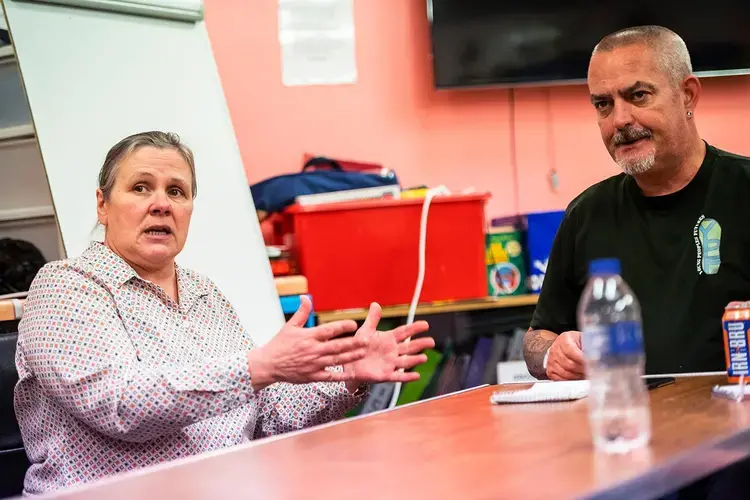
542	82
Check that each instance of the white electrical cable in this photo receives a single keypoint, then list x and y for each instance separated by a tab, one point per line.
431	193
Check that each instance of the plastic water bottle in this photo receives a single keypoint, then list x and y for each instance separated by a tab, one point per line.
609	317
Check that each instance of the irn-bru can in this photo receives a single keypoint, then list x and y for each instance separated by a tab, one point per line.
736	326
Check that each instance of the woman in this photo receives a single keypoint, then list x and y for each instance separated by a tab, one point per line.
126	359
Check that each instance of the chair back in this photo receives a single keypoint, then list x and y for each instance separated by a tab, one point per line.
13	459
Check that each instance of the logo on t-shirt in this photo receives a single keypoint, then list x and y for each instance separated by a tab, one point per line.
707	235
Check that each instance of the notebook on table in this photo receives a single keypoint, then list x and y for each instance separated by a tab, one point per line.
544	392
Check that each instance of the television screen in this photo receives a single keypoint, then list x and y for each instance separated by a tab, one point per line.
514	42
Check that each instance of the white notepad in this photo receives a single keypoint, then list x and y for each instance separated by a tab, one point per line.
544	392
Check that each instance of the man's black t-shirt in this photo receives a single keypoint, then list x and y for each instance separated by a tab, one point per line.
685	255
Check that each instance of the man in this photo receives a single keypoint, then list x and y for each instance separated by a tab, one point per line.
676	217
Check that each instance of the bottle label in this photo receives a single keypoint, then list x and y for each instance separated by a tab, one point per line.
619	339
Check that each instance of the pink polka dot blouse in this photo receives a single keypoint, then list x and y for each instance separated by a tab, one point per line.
114	375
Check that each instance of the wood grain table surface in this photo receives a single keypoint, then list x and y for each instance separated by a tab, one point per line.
463	447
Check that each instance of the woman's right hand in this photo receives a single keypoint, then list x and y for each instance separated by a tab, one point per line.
300	355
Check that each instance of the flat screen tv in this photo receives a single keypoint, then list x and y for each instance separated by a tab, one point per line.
477	43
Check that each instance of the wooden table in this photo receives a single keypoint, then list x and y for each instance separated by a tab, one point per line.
434	307
461	446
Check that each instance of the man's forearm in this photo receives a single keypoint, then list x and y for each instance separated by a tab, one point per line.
535	346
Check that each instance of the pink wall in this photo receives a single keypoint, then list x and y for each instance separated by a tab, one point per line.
393	116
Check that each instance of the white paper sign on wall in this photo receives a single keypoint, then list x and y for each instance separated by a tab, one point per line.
317	42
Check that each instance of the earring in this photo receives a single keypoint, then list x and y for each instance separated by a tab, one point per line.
690	114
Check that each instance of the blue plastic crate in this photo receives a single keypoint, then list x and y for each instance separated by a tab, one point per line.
290	304
540	234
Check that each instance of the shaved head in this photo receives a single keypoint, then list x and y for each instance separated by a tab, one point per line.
671	52
641	84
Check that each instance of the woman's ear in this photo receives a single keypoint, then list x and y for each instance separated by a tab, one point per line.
101	207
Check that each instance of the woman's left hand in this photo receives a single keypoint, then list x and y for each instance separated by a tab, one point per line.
387	353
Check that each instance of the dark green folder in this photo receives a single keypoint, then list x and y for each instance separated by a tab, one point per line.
412	391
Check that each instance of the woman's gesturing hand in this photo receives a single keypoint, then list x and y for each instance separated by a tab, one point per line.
300	355
387	355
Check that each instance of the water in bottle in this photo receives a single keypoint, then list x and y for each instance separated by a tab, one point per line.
609	317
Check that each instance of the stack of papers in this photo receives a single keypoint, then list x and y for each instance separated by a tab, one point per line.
544	392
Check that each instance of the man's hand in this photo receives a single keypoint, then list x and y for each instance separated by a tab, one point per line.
565	360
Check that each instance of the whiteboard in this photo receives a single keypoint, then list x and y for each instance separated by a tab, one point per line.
93	77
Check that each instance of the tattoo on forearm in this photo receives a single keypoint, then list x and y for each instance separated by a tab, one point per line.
535	345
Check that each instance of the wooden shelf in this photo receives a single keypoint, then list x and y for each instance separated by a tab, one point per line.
432	308
26	213
7	52
17	132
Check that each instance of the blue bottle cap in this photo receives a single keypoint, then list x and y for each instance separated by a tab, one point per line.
604	266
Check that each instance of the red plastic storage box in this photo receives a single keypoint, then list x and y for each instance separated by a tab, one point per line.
354	253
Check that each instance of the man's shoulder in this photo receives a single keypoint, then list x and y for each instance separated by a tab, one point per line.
603	191
733	162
